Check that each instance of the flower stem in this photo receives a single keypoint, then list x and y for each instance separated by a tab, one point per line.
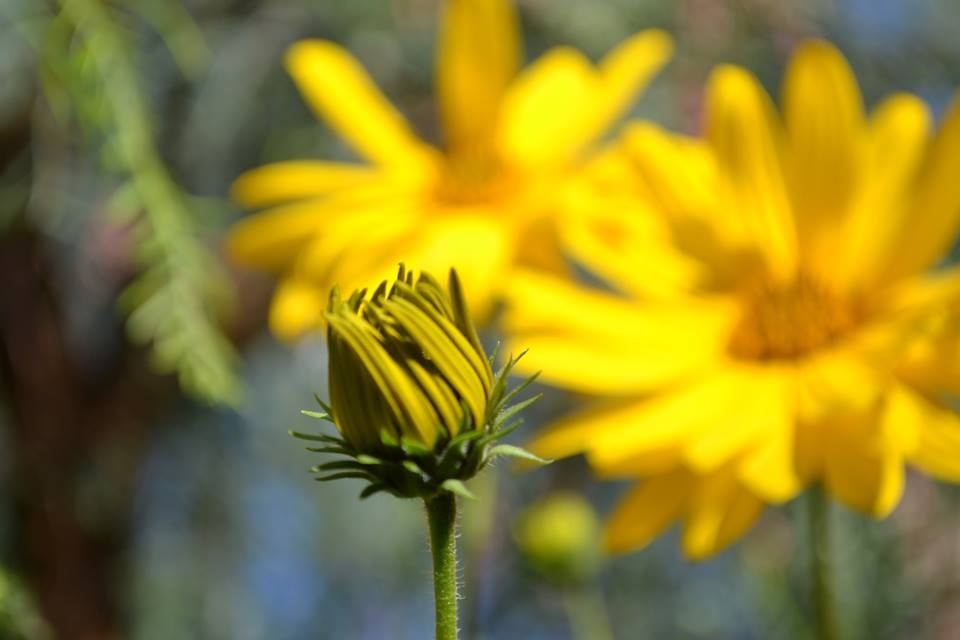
818	521
587	613
442	518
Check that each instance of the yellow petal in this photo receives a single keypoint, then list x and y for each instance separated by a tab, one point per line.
628	245
680	417
297	308
837	382
931	362
719	513
361	245
927	293
823	111
764	412
935	431
897	138
647	511
681	176
863	467
623	74
342	94
478	246
679	171
538	246
562	102
635	348
272	240
572	435
648	463
934	217
602	369
543	107
409	406
770	471
283	181
743	130
479	54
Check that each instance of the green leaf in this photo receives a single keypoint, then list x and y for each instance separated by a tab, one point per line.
316	414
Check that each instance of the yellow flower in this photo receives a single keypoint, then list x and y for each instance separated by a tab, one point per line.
483	203
810	342
412	393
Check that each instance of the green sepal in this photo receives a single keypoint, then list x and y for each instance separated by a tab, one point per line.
369	490
499	434
315	437
412	467
338	450
457	487
465	436
388	439
513	410
323	405
346	474
336	465
414	448
511	451
318	415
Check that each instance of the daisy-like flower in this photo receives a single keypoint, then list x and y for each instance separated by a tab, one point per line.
807	338
483	203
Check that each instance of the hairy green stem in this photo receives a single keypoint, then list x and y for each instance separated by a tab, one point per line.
818	521
442	518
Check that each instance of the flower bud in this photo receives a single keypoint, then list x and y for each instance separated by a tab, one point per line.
412	393
559	538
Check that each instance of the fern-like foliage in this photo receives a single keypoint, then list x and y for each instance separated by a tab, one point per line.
89	73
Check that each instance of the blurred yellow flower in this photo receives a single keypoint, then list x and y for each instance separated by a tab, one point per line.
807	342
484	203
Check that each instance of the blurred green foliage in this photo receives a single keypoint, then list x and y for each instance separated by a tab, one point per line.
19	619
88	70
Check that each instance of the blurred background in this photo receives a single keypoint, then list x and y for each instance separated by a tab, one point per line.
148	487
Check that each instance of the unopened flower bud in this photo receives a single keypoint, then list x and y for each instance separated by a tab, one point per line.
412	393
559	538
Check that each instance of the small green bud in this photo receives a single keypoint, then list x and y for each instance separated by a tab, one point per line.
559	538
412	393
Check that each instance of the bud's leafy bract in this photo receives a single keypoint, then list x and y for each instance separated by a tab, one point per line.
412	393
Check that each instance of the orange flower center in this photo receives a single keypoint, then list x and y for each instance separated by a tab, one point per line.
473	178
780	323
